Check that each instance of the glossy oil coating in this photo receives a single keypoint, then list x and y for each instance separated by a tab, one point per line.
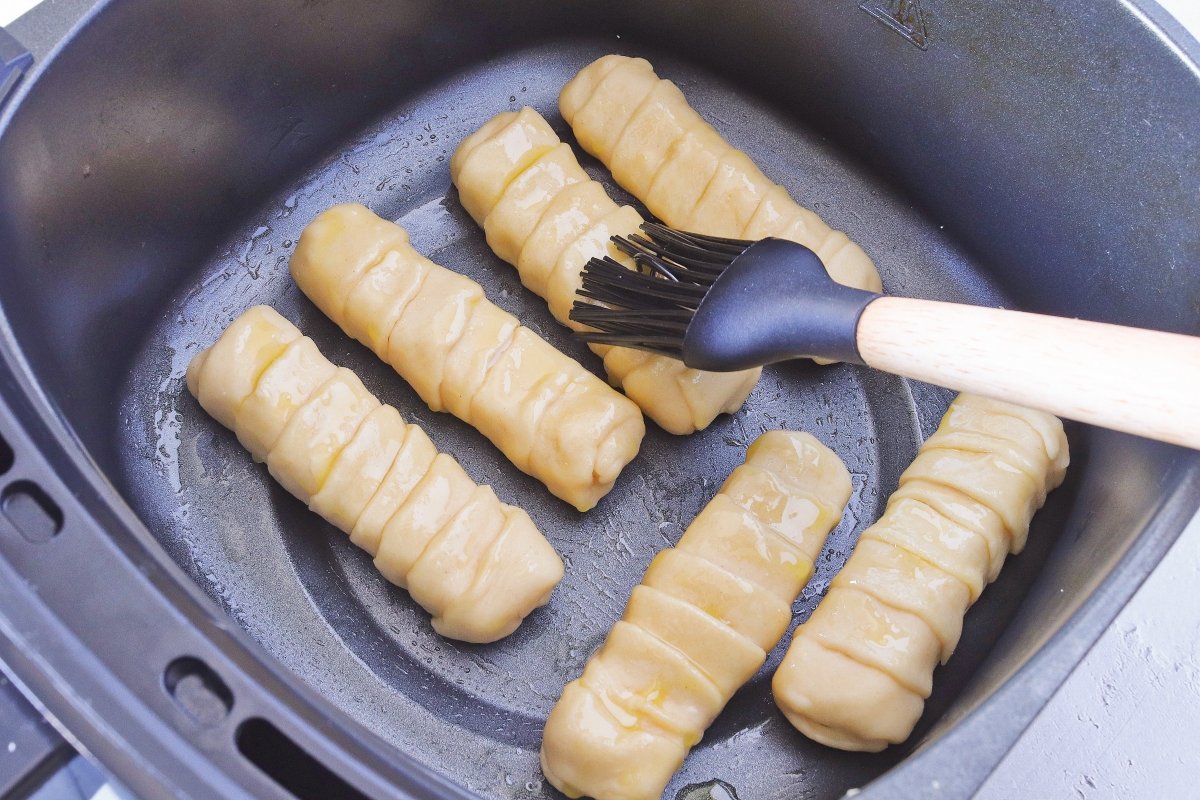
671	159
477	565
698	626
858	671
552	418
542	213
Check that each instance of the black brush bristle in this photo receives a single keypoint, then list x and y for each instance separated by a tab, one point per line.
650	307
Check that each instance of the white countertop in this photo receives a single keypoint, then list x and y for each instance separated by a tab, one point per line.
11	9
1124	724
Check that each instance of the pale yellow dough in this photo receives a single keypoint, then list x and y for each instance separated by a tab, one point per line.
857	673
699	625
477	565
552	418
542	213
665	154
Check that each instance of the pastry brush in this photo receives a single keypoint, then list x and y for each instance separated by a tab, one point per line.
729	304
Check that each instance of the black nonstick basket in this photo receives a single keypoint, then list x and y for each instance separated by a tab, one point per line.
201	634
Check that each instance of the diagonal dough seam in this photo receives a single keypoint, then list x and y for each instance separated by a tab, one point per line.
494	358
527	161
449	524
416	292
476	303
408	426
258	379
644	712
637	107
847	649
295	413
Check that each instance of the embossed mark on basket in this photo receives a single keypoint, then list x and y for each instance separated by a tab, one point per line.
903	16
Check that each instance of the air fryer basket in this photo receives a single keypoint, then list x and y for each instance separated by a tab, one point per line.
155	172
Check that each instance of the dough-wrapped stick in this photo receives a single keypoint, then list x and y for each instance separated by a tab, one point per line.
699	626
544	215
550	417
858	671
477	565
665	154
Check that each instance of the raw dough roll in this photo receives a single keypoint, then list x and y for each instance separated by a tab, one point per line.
477	565
551	417
699	625
858	671
544	215
667	156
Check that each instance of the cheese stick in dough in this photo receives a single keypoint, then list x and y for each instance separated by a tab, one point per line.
699	625
544	215
664	153
552	418
477	565
858	671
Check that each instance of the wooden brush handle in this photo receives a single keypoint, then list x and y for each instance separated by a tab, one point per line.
1128	379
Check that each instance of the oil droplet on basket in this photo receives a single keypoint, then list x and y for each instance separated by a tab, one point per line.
167	425
712	790
244	259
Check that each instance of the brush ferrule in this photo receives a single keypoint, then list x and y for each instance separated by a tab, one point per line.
776	302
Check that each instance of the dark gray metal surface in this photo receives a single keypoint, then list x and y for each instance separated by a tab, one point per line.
143	207
317	603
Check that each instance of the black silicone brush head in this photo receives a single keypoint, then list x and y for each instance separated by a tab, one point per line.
651	308
719	304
